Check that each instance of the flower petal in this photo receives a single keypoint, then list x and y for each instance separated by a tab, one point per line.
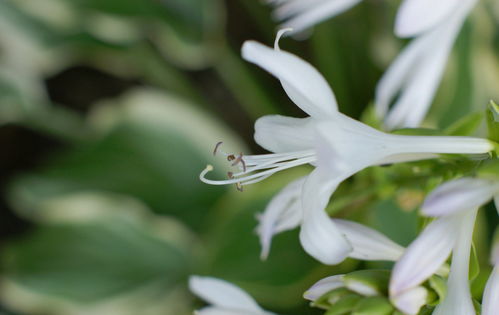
283	213
459	195
323	286
223	294
346	146
304	14
490	303
278	134
458	300
319	235
417	16
368	244
424	256
304	85
410	301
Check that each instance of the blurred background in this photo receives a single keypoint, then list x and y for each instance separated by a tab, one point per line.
109	110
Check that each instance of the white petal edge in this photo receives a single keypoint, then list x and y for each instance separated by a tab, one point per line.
459	195
222	294
319	235
284	212
323	286
424	256
458	300
417	16
410	302
305	86
490	303
279	134
367	243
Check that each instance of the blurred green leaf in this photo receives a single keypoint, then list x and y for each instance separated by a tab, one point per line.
400	226
153	147
465	126
84	262
96	247
493	121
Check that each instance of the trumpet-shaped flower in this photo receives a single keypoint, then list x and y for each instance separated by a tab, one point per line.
455	203
411	81
224	297
338	145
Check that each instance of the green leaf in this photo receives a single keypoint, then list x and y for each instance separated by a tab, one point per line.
493	121
489	169
78	255
465	126
153	147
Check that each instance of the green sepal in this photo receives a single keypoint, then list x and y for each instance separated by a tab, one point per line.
418	132
345	306
474	264
368	282
438	286
330	298
373	306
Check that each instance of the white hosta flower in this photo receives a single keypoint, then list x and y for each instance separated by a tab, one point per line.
411	81
303	14
338	145
224	297
456	204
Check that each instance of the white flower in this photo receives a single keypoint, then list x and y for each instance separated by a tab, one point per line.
456	204
338	145
303	14
224	297
411	81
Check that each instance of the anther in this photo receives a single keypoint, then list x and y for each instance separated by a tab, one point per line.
238	160
230	175
216	147
231	157
239	186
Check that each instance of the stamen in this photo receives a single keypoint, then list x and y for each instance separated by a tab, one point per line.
216	147
231	157
230	175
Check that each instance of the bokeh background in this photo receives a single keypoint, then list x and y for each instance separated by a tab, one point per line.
109	110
